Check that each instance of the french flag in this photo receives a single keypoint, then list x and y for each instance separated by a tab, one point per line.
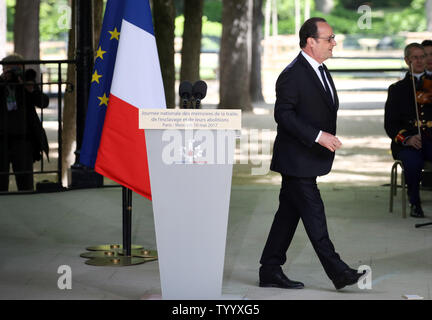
136	83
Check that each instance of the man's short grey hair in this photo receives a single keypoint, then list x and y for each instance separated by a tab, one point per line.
408	48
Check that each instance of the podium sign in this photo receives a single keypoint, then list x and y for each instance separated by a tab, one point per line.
190	166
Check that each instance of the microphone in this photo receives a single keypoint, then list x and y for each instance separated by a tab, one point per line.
199	91
185	93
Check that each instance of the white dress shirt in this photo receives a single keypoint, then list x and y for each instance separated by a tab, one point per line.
315	64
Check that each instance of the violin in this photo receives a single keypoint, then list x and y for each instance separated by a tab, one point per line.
424	95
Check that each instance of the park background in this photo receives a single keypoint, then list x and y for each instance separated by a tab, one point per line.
41	231
370	36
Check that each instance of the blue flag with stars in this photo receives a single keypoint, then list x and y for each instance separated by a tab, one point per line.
100	86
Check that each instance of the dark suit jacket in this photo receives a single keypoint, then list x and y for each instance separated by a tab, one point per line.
302	109
400	115
23	123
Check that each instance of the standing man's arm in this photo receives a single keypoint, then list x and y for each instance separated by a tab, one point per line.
287	100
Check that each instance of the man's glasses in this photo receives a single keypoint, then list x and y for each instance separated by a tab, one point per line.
329	39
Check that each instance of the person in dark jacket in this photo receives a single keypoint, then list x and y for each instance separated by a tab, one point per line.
22	138
305	112
411	137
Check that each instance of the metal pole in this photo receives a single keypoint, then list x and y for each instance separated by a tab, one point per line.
60	121
127	221
83	177
84	56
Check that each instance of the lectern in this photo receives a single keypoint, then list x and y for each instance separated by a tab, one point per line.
190	166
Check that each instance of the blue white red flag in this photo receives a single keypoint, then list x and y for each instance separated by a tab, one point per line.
113	144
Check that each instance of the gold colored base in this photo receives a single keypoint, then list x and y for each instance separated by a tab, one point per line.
115	261
141	253
99	254
113	255
112	247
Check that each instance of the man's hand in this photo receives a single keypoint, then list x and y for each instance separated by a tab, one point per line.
414	141
329	141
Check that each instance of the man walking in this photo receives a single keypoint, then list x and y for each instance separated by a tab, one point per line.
305	112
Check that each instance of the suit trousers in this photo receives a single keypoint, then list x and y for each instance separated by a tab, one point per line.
19	153
300	198
413	161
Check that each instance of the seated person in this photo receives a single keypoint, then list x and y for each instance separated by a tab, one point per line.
411	136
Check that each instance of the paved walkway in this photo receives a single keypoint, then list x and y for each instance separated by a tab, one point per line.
40	232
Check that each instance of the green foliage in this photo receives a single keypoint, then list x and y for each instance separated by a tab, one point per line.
51	16
211	33
10	12
209	28
213	10
408	20
354	4
387	20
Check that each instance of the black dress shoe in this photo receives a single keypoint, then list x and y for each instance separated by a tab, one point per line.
416	211
275	278
347	278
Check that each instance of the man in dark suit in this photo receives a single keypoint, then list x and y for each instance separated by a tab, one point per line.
305	113
411	141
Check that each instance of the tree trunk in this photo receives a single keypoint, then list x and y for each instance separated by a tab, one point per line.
235	55
428	9
255	80
97	22
191	48
26	29
3	22
324	6
69	110
164	15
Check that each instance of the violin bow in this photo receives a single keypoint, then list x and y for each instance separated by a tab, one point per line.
415	99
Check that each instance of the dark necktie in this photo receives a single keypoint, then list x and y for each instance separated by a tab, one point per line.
327	88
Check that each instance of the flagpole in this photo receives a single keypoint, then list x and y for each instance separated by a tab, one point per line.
127	221
82	177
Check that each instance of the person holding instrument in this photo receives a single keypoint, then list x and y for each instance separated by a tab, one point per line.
408	122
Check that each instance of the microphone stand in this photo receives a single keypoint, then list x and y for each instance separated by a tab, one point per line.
419	225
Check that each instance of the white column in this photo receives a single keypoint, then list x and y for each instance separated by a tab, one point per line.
267	19
307	10
274	18
297	16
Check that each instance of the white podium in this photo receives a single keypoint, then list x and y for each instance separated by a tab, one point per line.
190	178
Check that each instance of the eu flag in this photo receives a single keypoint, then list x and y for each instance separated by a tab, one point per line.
105	59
